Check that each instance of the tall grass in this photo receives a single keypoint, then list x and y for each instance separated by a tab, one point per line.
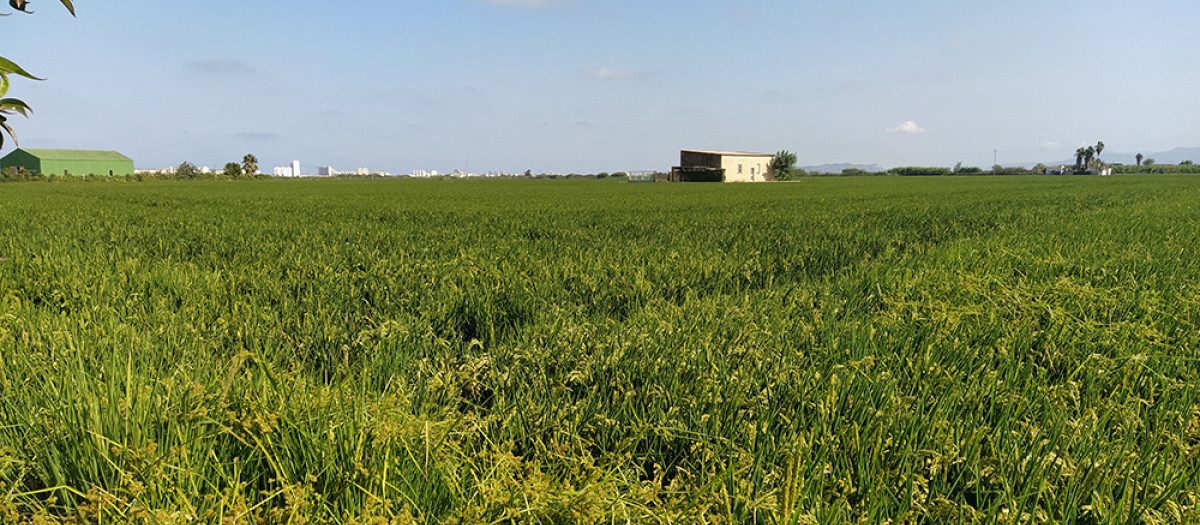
867	350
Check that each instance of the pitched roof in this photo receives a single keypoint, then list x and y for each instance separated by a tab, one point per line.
75	154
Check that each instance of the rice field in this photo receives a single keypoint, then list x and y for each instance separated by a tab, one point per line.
868	350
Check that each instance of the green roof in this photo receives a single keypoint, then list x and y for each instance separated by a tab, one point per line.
75	154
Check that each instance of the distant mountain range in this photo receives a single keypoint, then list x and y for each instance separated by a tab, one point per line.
838	168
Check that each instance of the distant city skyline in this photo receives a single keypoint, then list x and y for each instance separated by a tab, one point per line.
586	86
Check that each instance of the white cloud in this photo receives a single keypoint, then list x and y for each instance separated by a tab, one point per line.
1051	145
909	127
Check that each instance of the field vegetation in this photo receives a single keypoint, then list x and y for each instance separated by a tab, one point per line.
1186	166
832	350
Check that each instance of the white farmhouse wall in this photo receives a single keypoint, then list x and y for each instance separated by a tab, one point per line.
747	168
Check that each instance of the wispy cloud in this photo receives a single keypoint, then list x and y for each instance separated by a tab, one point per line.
605	73
909	127
223	66
1051	145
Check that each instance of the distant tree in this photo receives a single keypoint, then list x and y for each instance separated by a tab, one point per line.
1186	163
528	173
1148	162
782	163
1088	154
1099	148
619	175
187	170
959	169
602	175
1079	153
1138	157
1039	168
919	171
249	164
233	170
10	106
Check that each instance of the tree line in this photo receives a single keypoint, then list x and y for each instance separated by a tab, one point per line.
1150	167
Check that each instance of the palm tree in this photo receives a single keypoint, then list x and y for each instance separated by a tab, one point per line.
1088	154
1079	158
1139	159
1099	148
250	164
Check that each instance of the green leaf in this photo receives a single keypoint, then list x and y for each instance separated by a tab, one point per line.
15	105
69	5
8	66
3	84
4	125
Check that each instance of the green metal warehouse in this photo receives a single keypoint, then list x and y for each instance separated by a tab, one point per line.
66	162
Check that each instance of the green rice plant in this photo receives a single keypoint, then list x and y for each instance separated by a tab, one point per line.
917	350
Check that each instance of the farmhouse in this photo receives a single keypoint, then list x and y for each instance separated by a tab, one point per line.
66	162
727	166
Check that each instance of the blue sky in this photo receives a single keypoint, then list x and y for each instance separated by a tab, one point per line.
605	85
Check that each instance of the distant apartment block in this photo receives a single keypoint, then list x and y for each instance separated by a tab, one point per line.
292	170
155	171
326	171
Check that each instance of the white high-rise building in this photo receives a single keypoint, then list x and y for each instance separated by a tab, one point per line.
283	171
326	171
295	168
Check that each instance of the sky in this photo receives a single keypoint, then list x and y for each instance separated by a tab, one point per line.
587	86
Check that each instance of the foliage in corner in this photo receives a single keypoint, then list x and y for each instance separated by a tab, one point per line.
10	106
